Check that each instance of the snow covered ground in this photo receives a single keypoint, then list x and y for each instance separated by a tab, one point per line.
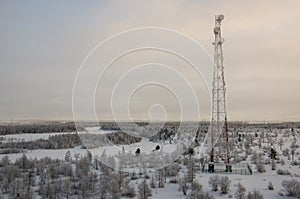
25	137
52	153
257	181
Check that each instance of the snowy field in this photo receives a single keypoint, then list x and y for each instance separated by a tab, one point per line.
52	153
260	143
25	137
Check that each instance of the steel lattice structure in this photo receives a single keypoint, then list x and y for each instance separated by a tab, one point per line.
218	129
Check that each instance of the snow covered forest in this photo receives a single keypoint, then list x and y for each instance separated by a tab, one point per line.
36	164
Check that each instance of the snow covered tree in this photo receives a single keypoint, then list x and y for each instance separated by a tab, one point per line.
66	169
240	192
254	195
224	183
143	190
161	178
76	156
213	182
112	162
183	185
196	190
273	165
260	166
82	166
291	187
104	182
68	157
280	143
152	182
191	152
205	195
191	169
117	184
5	161
270	186
172	171
53	171
133	176
67	188
128	189
254	157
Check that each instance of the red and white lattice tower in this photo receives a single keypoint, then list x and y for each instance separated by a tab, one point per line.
218	129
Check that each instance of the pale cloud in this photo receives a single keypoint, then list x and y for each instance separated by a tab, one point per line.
43	44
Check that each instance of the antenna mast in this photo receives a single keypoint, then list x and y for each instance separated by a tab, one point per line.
218	128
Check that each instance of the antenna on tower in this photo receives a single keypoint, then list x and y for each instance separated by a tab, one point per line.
218	128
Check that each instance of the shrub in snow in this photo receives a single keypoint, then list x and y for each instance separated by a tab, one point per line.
254	195
152	182
267	161
214	182
260	167
134	176
294	163
237	158
183	185
273	165
196	190
224	183
128	190
254	157
68	157
291	187
240	192
283	172
202	195
143	190
270	186
280	193
280	143
286	152
161	178
191	170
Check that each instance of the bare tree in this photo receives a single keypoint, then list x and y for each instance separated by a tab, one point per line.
152	182
191	170
214	182
291	187
128	189
224	183
260	166
161	178
240	192
254	195
68	157
183	185
270	186
196	190
280	143
143	190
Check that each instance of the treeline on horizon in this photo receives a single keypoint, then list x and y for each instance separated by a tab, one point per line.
49	127
45	127
65	141
110	125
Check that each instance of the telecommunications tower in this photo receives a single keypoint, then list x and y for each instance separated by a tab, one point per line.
218	129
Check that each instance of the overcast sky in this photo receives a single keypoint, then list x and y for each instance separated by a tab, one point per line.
43	43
